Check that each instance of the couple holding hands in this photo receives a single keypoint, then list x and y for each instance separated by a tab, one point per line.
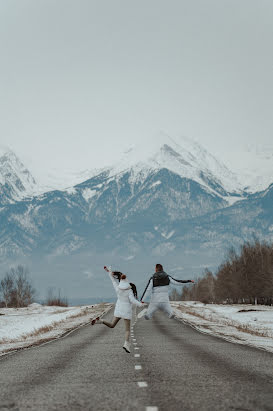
158	287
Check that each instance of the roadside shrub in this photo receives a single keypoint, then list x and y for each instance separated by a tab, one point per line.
52	299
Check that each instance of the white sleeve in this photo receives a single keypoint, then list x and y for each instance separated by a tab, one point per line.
114	281
148	290
133	300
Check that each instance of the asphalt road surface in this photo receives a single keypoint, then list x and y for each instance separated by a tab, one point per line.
171	367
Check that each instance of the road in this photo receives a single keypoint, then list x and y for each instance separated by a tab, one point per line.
178	368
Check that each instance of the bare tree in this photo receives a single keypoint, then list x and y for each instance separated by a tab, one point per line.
7	288
246	277
16	287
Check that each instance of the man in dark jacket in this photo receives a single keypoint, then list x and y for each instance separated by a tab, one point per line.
158	285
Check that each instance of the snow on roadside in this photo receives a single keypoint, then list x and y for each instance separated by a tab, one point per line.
242	324
23	327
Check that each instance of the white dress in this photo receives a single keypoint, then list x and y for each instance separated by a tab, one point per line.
125	300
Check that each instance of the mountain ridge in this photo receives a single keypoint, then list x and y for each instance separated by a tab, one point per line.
147	208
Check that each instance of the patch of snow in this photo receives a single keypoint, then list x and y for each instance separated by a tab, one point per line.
22	327
168	235
87	193
233	199
71	190
25	221
60	179
249	327
157	183
65	249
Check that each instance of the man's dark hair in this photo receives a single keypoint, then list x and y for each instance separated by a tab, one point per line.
159	267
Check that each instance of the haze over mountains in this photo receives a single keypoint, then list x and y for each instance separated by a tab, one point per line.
169	201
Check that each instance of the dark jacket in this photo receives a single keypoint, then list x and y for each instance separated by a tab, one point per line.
161	279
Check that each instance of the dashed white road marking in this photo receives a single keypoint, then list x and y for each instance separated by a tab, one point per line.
134	339
137	355
136	348
138	367
134	343
142	384
151	408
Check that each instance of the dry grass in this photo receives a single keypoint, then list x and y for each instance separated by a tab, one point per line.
41	330
57	302
240	327
246	329
191	312
45	329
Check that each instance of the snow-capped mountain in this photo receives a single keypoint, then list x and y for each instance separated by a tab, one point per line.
150	187
254	164
181	156
169	199
16	182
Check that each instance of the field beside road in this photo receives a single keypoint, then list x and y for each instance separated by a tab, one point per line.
243	324
23	327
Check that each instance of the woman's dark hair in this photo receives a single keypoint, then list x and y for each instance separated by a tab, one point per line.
133	286
118	274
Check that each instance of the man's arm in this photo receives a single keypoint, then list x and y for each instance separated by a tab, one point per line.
148	288
178	282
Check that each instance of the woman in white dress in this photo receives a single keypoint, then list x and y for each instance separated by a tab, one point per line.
123	308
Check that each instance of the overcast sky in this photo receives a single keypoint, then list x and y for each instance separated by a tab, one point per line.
81	79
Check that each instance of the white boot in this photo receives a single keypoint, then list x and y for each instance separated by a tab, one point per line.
141	313
126	346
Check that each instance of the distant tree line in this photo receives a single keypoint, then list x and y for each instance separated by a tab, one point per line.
16	289
244	277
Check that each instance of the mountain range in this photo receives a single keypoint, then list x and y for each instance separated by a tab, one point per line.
170	201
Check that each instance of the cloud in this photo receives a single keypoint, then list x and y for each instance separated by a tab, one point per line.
89	274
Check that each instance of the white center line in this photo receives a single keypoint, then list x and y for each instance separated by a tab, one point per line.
134	339
136	348
142	384
137	355
138	367
151	408
134	343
